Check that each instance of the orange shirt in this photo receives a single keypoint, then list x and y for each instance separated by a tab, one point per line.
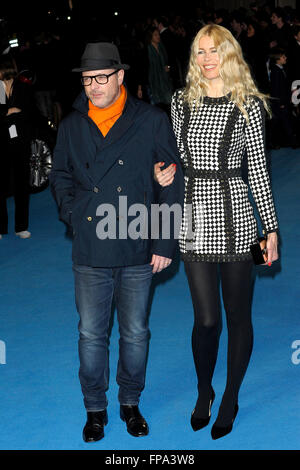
105	118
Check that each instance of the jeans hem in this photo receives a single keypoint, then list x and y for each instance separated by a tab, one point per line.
126	403
95	410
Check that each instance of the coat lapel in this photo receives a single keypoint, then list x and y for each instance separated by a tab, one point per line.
107	148
97	165
121	126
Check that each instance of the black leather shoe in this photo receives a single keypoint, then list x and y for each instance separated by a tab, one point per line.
136	423
199	423
220	431
94	428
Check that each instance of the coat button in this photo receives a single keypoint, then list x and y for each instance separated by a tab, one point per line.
121	162
119	189
89	218
96	190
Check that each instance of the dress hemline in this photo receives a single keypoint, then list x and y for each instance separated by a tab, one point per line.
216	258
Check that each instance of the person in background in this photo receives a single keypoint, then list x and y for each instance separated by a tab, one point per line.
171	44
159	81
282	126
281	31
238	27
294	73
16	130
293	54
255	51
221	17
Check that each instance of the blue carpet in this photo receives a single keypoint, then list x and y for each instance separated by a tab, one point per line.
41	402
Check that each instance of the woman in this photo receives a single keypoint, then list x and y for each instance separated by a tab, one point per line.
15	130
216	118
160	85
255	51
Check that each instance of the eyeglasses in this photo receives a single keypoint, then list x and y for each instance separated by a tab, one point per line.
100	79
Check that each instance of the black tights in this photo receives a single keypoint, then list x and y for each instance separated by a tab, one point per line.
236	282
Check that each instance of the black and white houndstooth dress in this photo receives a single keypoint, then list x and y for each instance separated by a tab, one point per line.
218	222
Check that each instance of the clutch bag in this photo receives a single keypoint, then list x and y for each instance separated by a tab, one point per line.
259	251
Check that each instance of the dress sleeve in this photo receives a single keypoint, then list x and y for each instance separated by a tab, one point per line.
177	122
170	196
258	176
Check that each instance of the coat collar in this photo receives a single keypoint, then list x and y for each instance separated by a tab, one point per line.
119	128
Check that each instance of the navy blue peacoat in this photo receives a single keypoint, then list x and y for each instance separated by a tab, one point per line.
90	171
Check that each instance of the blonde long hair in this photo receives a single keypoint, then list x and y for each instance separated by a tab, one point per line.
234	71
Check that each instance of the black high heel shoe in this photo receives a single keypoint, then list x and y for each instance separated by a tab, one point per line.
199	423
220	431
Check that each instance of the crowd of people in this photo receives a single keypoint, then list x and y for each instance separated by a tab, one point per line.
270	42
157	48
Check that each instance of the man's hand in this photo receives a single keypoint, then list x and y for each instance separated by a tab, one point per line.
13	110
159	263
139	93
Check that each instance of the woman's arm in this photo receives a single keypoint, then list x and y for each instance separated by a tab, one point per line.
258	176
272	251
177	117
165	176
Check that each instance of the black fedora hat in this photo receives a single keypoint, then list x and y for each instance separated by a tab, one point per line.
100	56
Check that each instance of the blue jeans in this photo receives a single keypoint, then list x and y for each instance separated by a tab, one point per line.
95	289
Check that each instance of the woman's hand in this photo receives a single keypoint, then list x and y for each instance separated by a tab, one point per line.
272	252
164	177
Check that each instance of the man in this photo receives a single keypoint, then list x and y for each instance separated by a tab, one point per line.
238	27
166	35
175	47
281	33
106	150
282	119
